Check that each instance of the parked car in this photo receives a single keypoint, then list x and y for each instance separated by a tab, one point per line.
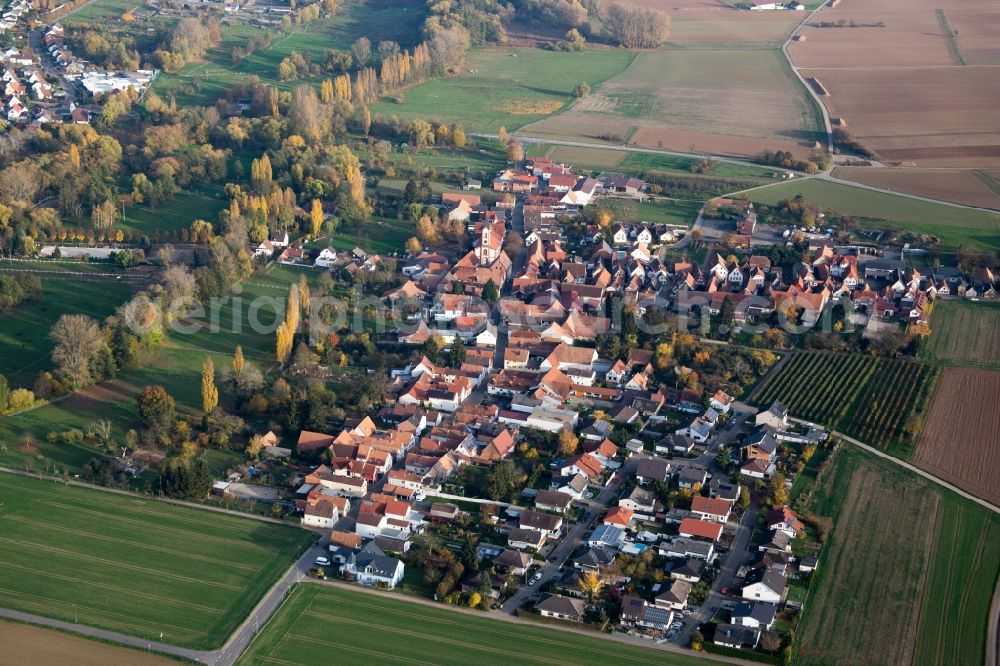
534	579
323	561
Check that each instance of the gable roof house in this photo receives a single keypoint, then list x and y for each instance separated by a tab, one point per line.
754	614
691	527
764	585
546	523
652	470
776	416
371	566
561	608
715	510
783	519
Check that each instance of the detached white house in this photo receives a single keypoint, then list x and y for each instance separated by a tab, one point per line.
326	258
371	566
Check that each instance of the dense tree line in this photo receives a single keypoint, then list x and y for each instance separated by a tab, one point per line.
637	27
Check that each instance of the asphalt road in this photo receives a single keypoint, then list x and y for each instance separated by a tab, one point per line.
567	544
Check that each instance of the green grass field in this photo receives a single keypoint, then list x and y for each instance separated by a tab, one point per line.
511	87
662	211
316	622
201	83
198	203
135	565
907	575
876	210
176	365
964	333
25	347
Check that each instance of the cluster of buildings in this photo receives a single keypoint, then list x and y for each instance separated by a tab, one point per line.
764	586
13	13
20	85
98	82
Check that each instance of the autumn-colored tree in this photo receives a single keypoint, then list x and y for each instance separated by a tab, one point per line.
255	446
515	151
413	245
366	120
260	173
316	217
305	298
238	361
326	91
209	391
568	442
283	343
426	230
591	584
119	235
603	217
458	136
502	135
104	214
292	312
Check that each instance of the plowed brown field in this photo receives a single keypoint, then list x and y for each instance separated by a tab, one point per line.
918	83
961	438
27	644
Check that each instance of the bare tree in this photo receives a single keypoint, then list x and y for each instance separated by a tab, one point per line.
78	340
638	27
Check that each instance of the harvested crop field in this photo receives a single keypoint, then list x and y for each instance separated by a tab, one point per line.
878	528
978	34
907	574
729	26
907	39
964	333
961	437
914	83
584	157
28	644
718	100
969	187
954	122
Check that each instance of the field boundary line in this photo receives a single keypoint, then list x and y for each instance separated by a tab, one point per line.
913	468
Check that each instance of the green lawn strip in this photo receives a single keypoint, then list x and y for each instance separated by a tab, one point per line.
134	565
954	226
313	622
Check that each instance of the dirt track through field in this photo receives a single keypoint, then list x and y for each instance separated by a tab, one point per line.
961	437
26	644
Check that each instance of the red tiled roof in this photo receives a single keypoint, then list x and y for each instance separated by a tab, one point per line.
701	528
